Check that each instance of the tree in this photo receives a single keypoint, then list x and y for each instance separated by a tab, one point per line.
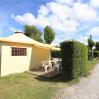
33	32
49	34
90	46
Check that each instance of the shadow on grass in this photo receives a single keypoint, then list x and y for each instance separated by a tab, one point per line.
55	79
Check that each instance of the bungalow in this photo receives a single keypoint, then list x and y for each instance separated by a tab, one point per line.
19	53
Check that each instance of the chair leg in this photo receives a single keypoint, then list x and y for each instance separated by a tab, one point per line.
45	68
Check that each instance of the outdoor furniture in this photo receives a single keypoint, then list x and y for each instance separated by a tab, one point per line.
46	65
56	63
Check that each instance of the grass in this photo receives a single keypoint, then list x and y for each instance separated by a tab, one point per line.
91	64
28	86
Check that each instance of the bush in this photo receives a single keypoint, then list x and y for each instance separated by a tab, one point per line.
97	46
56	54
74	59
96	54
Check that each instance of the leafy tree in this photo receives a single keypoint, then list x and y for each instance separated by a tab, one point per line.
90	46
49	34
33	32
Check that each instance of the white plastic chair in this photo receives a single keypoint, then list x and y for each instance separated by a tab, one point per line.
56	65
46	65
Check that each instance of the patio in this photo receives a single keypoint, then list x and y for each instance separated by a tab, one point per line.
48	69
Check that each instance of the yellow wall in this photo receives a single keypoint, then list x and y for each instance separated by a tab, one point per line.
12	64
38	55
0	59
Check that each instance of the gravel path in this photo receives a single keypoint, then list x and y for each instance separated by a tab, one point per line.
88	88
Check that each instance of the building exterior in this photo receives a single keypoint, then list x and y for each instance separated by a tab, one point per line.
19	53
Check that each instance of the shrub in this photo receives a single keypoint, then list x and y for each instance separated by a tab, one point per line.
90	48
74	59
97	46
96	54
56	54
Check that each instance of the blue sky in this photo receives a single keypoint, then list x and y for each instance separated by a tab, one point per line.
16	7
70	19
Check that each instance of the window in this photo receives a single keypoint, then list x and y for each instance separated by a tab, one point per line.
19	51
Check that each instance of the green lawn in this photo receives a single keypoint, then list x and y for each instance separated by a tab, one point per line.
28	86
91	64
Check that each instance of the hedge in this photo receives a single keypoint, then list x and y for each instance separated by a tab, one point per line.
96	54
74	59
56	54
97	46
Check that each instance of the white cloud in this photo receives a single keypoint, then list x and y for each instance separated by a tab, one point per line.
59	15
60	37
60	11
70	2
82	38
12	29
94	3
42	21
83	12
27	18
64	16
43	10
94	32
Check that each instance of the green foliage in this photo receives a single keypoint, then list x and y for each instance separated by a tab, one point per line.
74	59
91	65
90	46
56	54
33	32
97	46
90	42
49	34
96	54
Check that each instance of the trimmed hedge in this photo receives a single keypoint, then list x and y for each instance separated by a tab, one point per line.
97	46
96	54
74	59
56	54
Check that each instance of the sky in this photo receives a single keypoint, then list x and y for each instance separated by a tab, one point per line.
70	19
